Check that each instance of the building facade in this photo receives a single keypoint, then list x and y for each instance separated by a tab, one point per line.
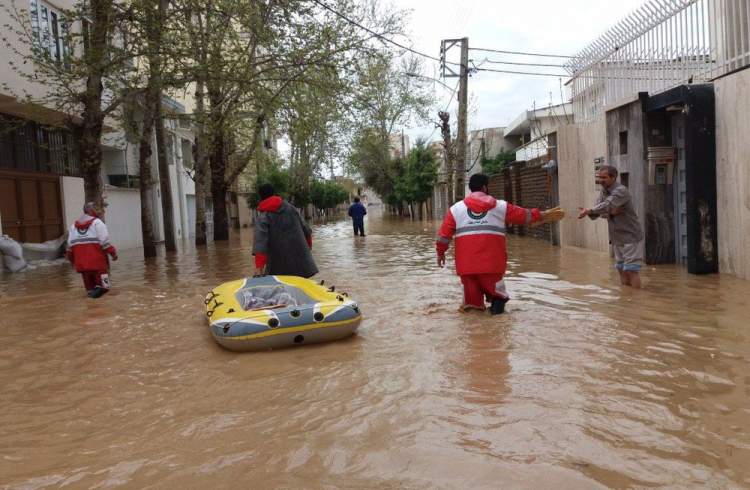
663	98
41	184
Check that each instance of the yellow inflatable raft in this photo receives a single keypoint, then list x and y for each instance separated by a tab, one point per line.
278	311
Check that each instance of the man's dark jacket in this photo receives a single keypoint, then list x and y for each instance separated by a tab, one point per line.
282	240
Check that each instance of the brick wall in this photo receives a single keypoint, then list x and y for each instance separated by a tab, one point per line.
528	187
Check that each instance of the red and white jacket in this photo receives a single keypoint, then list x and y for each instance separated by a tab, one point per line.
479	223
88	244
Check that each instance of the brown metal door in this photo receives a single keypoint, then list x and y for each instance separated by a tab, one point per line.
30	206
9	212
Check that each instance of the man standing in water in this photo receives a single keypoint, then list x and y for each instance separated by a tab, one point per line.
478	223
282	240
357	211
88	247
625	233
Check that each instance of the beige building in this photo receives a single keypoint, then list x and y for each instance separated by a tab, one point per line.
41	185
41	189
678	139
485	143
400	144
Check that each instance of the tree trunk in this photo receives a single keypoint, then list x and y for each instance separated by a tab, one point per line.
199	157
199	44
144	165
164	179
91	162
219	186
155	33
93	118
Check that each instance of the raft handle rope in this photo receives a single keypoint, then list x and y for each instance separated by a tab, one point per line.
227	326
210	297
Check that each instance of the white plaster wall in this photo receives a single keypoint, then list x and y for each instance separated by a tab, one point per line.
72	196
123	217
733	172
244	213
179	204
578	146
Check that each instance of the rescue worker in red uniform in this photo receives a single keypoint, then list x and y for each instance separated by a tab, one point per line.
479	223
88	247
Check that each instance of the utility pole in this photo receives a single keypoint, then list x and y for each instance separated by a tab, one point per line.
463	101
462	114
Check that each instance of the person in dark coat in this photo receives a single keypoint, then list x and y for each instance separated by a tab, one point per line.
357	211
282	241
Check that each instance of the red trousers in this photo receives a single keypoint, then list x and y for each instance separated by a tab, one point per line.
477	286
91	279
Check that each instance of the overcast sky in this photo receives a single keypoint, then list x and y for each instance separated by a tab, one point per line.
538	26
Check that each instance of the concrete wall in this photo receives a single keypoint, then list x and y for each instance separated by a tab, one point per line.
244	213
629	118
578	146
72	196
124	217
733	172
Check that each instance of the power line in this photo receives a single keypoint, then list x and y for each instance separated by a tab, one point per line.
497	62
519	52
380	36
559	75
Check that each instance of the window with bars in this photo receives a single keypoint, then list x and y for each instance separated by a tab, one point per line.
50	30
32	147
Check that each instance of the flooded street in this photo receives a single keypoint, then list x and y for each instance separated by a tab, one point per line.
581	385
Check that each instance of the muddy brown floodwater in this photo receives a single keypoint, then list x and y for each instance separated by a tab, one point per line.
581	385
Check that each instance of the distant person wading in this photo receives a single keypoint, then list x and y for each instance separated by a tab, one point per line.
89	248
357	211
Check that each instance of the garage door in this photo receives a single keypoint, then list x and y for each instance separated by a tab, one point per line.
30	206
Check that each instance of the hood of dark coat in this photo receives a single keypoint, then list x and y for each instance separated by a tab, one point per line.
271	204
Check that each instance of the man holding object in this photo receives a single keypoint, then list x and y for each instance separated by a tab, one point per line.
625	233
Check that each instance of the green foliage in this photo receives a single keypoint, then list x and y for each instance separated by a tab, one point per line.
418	177
370	157
276	176
397	181
322	194
385	98
491	166
327	194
